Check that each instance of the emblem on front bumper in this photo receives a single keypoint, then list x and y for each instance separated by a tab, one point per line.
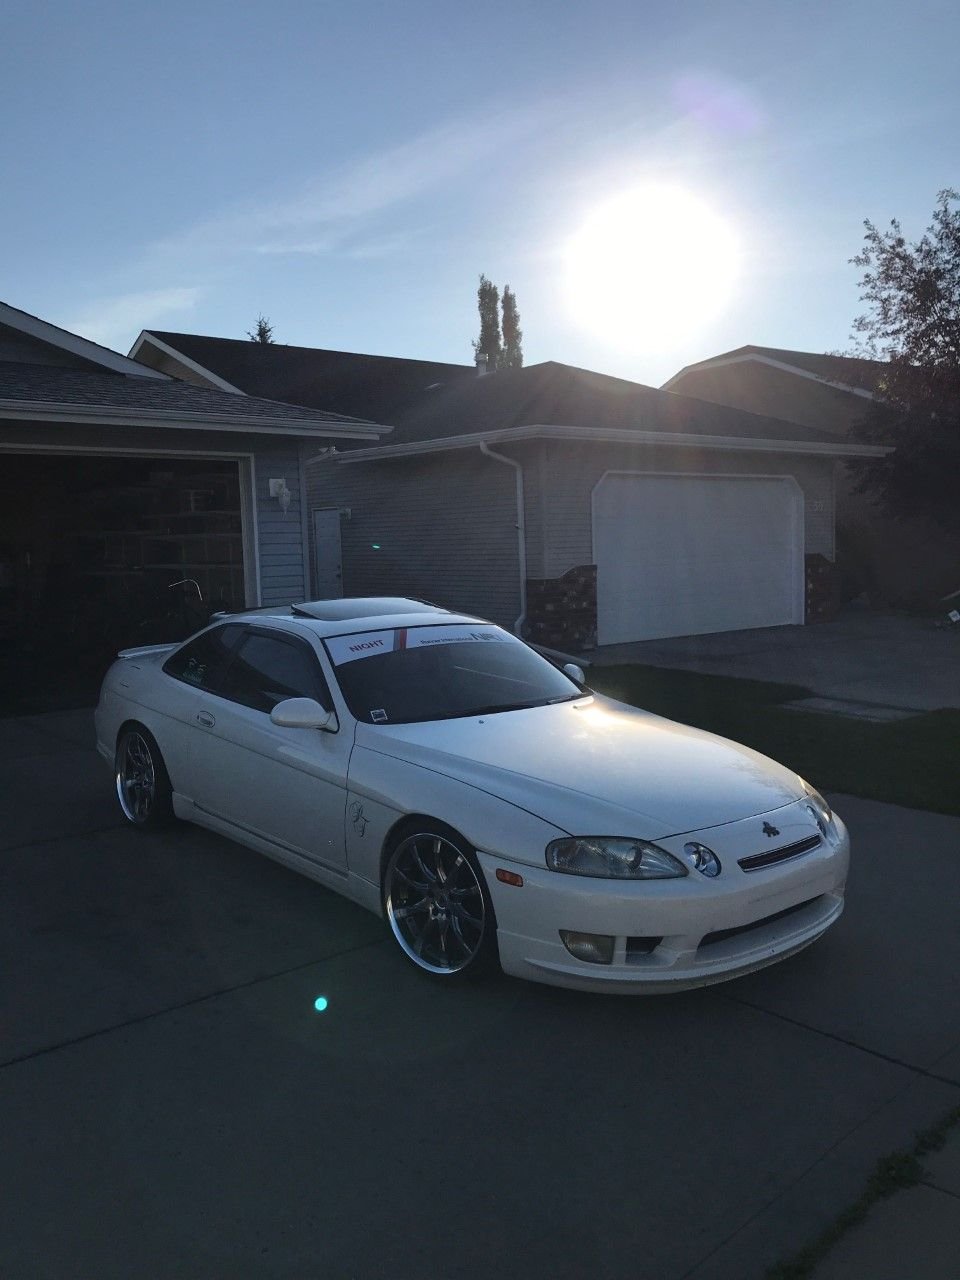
770	830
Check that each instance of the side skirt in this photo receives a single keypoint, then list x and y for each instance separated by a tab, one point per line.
343	882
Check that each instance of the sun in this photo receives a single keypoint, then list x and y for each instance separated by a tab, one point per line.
650	266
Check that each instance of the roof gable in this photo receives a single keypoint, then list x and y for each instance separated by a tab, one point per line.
845	373
35	337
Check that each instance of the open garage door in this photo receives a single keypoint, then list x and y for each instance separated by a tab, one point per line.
89	548
692	554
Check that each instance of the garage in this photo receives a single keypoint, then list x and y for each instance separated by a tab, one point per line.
681	554
132	505
99	553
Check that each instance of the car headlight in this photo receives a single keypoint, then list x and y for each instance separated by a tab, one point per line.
822	813
612	858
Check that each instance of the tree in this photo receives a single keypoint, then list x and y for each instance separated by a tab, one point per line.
912	324
263	332
512	333
488	344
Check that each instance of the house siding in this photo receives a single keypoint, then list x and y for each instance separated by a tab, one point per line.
445	526
776	393
283	574
568	473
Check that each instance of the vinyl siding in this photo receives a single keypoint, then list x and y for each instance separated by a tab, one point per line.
445	526
280	534
776	393
566	474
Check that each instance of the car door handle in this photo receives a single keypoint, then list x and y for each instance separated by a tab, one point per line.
206	719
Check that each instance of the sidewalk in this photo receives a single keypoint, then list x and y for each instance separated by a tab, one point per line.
914	1234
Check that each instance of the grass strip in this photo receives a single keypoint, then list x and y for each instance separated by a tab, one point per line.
913	762
891	1173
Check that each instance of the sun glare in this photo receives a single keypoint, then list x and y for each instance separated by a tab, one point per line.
649	266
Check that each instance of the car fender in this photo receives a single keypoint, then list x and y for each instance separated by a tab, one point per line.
383	790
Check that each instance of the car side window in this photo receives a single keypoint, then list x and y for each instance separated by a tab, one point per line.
268	669
202	661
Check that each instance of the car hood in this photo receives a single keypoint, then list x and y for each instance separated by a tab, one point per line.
597	767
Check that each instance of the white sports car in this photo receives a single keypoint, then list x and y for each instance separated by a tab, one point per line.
439	771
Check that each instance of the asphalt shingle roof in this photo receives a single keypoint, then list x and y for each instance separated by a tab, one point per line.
425	401
552	394
381	388
77	388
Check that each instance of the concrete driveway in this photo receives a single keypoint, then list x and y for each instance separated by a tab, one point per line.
171	1105
889	660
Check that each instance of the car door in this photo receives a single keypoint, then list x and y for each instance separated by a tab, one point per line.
195	668
285	785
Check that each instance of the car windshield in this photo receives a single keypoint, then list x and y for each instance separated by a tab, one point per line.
441	672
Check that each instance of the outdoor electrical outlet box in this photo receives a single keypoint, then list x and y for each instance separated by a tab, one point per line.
277	487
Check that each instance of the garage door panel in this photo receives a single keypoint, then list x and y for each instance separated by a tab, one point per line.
689	555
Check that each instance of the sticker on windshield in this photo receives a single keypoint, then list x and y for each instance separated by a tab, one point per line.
371	643
379	716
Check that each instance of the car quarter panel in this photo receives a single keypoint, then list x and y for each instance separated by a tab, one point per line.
135	688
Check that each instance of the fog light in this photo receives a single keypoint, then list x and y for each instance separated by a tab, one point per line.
594	948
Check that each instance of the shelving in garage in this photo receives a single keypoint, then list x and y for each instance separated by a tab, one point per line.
88	549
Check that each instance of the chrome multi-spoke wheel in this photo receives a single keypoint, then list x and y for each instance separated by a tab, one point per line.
143	788
437	905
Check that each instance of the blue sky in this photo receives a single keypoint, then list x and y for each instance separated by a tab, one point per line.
349	170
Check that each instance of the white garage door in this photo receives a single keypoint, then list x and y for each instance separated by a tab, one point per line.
687	555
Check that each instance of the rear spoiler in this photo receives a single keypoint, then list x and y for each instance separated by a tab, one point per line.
145	650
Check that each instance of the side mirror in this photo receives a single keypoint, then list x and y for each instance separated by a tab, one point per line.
303	713
574	672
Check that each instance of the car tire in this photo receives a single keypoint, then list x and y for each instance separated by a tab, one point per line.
437	905
143	784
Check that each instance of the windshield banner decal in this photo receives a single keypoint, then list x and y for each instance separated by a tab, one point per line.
371	643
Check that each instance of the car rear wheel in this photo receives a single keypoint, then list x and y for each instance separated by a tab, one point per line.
437	905
143	786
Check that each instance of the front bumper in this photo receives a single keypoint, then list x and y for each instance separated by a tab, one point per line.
671	935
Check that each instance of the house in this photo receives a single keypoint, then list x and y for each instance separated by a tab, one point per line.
578	508
117	480
896	562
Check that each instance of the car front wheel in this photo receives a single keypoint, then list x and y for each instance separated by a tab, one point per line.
437	905
143	787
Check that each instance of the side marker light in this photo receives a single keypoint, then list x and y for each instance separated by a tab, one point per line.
509	877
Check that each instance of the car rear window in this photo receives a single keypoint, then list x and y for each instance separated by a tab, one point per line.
201	661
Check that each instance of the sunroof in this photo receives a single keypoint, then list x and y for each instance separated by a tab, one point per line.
344	610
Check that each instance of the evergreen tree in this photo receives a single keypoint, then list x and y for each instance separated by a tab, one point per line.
489	344
263	332
512	333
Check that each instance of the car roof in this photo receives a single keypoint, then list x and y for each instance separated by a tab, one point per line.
343	616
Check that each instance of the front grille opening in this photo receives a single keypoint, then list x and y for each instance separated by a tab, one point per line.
642	946
721	935
774	856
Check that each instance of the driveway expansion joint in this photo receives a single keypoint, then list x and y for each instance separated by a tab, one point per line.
932	1186
186	1004
850	1044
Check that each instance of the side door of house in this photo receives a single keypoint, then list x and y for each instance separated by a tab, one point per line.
327	554
285	785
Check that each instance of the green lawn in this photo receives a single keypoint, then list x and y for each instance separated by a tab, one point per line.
913	762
